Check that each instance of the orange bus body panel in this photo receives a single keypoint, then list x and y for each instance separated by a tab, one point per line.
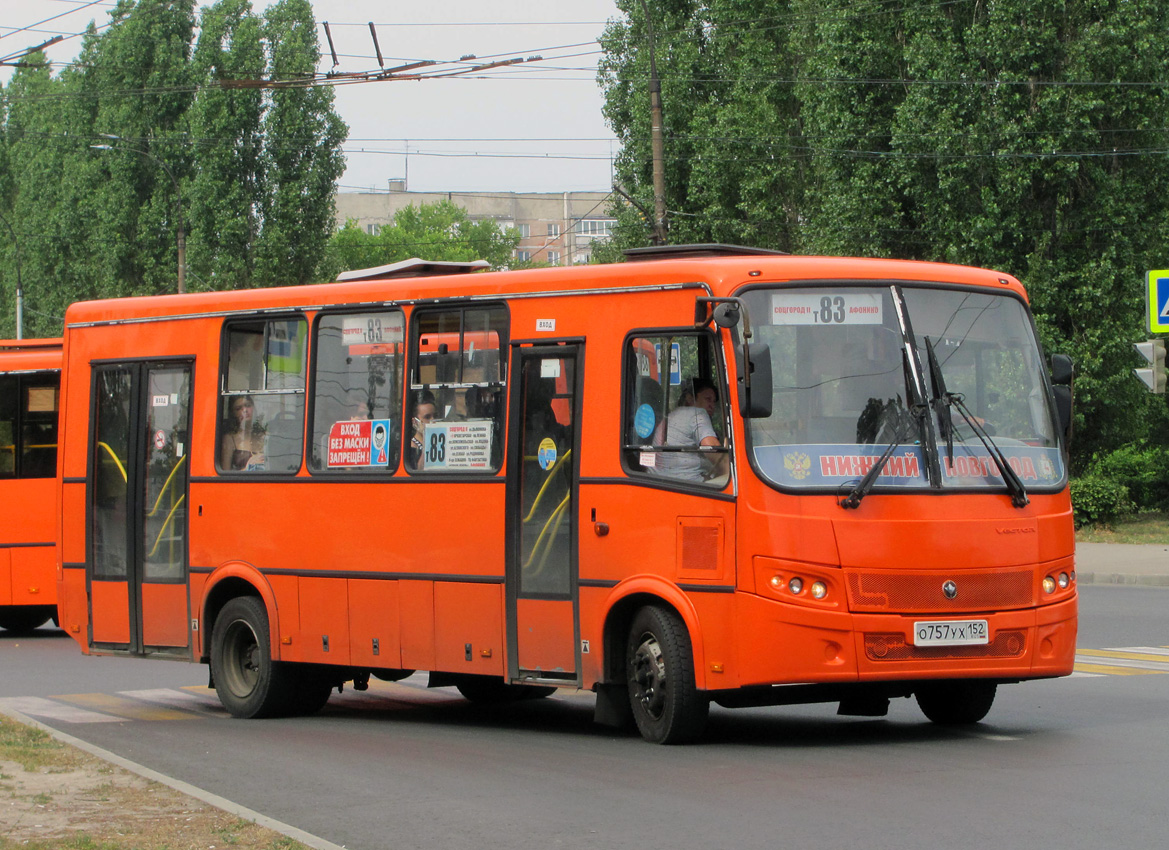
28	533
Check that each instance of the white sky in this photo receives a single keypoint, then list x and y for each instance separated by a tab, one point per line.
535	127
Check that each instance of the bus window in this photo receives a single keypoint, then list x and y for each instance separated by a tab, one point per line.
675	422
28	426
261	416
357	392
458	375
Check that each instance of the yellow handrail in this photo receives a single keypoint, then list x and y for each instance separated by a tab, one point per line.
169	518
121	468
165	486
556	517
544	486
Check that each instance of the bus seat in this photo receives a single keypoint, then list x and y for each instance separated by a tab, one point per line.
283	447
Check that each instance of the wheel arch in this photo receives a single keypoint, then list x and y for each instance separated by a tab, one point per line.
229	582
623	604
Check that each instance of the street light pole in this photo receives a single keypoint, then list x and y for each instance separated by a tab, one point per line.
182	236
19	285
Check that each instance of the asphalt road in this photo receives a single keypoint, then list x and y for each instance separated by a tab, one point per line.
1071	763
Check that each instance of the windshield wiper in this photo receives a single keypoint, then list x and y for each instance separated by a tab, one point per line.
900	434
942	401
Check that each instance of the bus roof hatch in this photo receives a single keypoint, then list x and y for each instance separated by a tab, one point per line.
413	267
710	249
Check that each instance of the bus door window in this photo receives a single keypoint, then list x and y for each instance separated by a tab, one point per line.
111	462
676	423
165	513
262	398
457	381
546	487
357	392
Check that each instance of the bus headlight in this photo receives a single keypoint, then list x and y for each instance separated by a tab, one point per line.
1063	581
1048	584
819	590
796	586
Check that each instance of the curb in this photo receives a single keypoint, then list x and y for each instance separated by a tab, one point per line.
180	786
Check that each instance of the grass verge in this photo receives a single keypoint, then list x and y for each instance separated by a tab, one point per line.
56	797
1150	527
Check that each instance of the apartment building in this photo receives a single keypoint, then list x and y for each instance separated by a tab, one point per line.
558	228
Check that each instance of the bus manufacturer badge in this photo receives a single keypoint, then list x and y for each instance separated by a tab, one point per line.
949	590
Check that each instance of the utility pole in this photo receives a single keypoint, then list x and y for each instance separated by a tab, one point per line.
657	145
19	285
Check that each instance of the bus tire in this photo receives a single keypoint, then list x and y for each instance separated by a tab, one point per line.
956	703
312	689
20	620
659	667
248	682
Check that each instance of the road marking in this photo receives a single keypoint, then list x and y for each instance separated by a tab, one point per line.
123	707
185	699
1123	661
39	707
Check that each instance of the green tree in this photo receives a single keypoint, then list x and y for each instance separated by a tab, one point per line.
1018	135
440	232
255	168
302	151
226	136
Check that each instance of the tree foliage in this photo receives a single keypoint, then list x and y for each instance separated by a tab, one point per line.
1020	135
184	130
442	231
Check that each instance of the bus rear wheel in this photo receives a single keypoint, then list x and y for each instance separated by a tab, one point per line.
248	682
659	669
956	703
22	619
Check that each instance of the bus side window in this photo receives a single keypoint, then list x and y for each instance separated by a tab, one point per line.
675	416
262	396
357	392
8	403
458	380
28	426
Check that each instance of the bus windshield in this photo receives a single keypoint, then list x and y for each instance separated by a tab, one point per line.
947	382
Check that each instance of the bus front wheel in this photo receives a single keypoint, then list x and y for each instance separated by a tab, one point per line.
248	682
956	703
659	668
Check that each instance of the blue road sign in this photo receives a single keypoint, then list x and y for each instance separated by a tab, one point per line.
1158	299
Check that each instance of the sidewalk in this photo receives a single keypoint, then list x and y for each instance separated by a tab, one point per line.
1122	563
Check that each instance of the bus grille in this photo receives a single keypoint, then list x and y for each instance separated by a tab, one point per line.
892	647
977	591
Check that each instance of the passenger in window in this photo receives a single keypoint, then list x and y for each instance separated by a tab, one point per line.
690	425
425	410
243	444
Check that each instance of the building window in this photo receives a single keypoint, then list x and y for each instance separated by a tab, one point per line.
525	230
373	229
595	226
554	257
553	230
523	256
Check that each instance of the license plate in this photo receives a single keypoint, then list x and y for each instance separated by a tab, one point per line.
950	633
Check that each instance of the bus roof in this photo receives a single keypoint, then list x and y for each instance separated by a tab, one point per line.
29	355
722	275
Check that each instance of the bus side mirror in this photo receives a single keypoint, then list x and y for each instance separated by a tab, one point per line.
1063	372
754	400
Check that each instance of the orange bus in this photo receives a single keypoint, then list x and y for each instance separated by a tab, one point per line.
30	378
709	474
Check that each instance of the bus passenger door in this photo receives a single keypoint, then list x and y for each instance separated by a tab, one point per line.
136	563
541	576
